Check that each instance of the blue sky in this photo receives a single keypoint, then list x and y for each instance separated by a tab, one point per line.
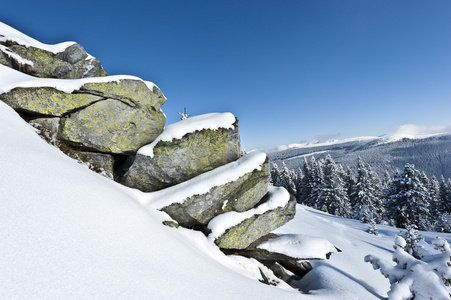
290	70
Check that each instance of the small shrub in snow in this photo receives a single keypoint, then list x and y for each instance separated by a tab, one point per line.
373	228
412	238
412	278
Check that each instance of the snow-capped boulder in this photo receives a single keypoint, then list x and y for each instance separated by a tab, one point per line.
115	115
46	101
237	186
65	60
127	118
237	230
185	150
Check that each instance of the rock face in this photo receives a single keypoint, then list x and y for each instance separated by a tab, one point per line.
255	223
184	158
72	63
238	195
115	117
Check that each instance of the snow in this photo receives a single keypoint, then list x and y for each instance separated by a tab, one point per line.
9	33
300	246
317	143
11	79
278	197
67	232
417	131
202	183
177	130
15	56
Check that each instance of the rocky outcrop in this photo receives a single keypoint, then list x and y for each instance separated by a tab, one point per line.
240	193
71	63
238	230
115	117
177	159
114	125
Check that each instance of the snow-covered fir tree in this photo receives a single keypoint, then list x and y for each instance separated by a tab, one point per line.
316	184
304	186
412	278
408	200
365	196
333	197
413	239
287	179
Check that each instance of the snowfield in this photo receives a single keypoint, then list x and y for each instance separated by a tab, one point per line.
67	232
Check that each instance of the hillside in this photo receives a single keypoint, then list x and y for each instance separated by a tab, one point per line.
431	154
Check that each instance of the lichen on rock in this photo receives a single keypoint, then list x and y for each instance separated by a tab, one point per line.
181	159
254	224
238	195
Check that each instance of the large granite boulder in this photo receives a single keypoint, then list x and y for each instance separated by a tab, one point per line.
71	63
46	101
235	230
237	186
185	150
117	115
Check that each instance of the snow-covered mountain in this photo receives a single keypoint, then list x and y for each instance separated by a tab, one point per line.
431	154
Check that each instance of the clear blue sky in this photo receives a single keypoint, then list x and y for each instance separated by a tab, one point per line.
290	70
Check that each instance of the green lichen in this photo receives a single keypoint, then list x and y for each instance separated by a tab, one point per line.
49	65
134	91
112	126
239	195
46	100
182	159
251	229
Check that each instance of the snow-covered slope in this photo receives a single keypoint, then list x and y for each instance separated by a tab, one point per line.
67	232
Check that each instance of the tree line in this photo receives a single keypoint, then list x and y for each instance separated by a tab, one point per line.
407	198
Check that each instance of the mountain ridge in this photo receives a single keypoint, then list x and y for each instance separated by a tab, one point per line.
430	154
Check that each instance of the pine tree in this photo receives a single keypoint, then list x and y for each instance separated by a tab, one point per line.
408	200
333	197
286	179
367	206
275	175
316	184
434	190
304	186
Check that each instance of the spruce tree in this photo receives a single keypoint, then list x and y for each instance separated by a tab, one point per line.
286	179
333	196
316	184
408	200
367	205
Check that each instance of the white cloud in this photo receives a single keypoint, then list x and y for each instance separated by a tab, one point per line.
419	131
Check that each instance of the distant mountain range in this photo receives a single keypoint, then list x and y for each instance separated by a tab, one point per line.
429	154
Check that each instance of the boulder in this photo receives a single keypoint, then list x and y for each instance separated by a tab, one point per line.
101	163
238	230
112	126
182	157
237	195
46	101
72	63
113	116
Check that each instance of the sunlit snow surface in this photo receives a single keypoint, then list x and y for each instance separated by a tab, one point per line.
67	232
300	246
9	33
10	79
